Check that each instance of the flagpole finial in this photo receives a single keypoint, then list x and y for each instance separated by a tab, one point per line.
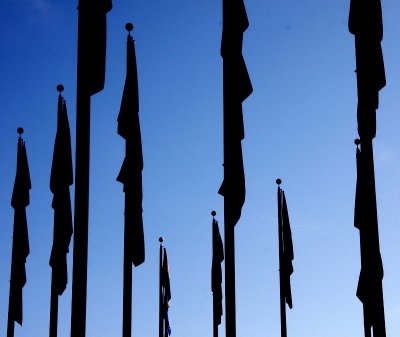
161	239
20	131
129	27
213	213
60	88
278	181
357	142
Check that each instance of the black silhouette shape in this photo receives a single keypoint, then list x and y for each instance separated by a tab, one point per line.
131	176
286	256
90	80
216	274
20	246
61	179
369	289
165	294
237	87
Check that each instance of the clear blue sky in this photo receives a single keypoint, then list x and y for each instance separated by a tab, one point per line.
300	124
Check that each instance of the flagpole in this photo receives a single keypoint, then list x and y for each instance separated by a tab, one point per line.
81	214
215	325
160	320
281	293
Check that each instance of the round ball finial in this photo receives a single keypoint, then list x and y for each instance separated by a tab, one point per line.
20	131
278	181
129	27
60	88
160	239
357	141
213	213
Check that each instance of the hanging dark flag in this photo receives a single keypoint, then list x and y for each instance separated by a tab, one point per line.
369	289
60	180
288	256
131	171
165	294
20	248
237	87
365	22
92	40
216	272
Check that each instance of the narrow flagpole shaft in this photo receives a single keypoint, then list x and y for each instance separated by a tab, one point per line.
10	322
81	213
230	301
160	318
53	309
281	287
127	292
215	327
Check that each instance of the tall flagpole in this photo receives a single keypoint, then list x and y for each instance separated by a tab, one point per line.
215	325
280	241
160	317
81	213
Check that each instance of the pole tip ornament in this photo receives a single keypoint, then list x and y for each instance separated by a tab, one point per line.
213	213
161	239
278	181
129	27
20	131
60	88
357	141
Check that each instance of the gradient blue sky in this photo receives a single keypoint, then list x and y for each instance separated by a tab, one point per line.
300	124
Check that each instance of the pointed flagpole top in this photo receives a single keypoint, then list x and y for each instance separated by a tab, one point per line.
278	181
213	213
20	131
129	27
60	88
161	239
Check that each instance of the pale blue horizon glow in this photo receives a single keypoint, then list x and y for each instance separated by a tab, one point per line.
300	123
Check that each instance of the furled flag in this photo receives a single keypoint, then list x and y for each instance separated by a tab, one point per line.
369	289
92	40
60	179
131	171
287	255
216	272
20	249
237	87
165	293
365	22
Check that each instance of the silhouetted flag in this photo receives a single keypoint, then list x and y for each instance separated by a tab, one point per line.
369	289
237	87
131	171
288	255
92	31
216	272
60	180
166	293
365	22
20	249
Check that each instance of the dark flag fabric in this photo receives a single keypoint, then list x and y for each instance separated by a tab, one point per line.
165	293
60	179
92	36
216	272
237	87
20	248
365	22
131	171
288	255
369	289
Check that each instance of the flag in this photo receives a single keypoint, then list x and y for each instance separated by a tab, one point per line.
369	290
365	22
131	171
165	293
92	40
237	87
60	179
287	255
20	248
216	272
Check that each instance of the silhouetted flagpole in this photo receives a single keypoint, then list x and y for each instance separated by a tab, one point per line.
160	316
90	80
20	245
